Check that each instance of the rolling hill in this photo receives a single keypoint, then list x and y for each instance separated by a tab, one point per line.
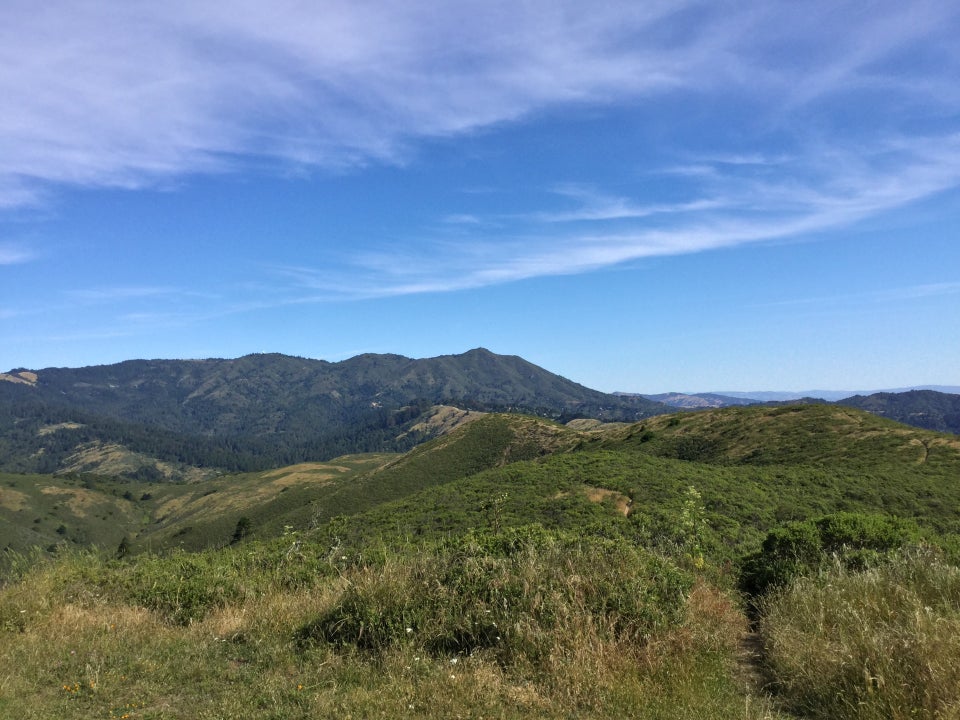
751	468
921	407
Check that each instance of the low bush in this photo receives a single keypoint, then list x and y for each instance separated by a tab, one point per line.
798	548
181	587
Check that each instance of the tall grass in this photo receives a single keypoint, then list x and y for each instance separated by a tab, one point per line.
531	599
514	626
880	643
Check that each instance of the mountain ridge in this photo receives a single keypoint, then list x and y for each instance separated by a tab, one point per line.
264	410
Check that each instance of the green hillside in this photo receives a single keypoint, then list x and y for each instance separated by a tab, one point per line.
745	469
47	512
750	468
810	434
693	565
298	498
193	516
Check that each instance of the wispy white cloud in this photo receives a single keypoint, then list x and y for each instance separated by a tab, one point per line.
596	206
891	295
462	219
928	290
837	189
14	254
129	293
136	94
739	202
96	94
101	94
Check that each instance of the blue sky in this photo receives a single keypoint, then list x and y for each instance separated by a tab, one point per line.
638	196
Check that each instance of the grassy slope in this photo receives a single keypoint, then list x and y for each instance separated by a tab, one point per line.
201	515
198	515
791	435
629	481
565	627
41	510
753	468
289	497
214	634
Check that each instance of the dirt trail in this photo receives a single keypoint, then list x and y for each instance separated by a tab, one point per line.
750	662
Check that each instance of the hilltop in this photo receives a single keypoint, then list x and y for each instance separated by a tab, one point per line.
929	408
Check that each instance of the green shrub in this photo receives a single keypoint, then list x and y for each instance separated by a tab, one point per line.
181	587
802	547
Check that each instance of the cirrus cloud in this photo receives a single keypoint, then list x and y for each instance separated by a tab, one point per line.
104	94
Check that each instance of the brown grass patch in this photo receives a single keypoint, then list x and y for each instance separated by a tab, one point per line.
945	442
620	501
78	500
50	429
304	473
12	499
113	459
445	419
73	618
21	378
306	469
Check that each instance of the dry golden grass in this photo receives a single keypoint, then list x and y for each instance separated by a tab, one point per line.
13	499
50	429
79	500
72	648
620	501
110	459
445	419
24	378
883	643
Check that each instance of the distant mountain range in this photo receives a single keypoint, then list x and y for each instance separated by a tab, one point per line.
928	409
699	400
723	399
162	418
183	419
934	407
834	395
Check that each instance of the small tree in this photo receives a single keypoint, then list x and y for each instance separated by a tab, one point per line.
123	549
242	529
492	508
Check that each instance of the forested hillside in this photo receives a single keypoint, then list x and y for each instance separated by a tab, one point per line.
263	411
921	408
